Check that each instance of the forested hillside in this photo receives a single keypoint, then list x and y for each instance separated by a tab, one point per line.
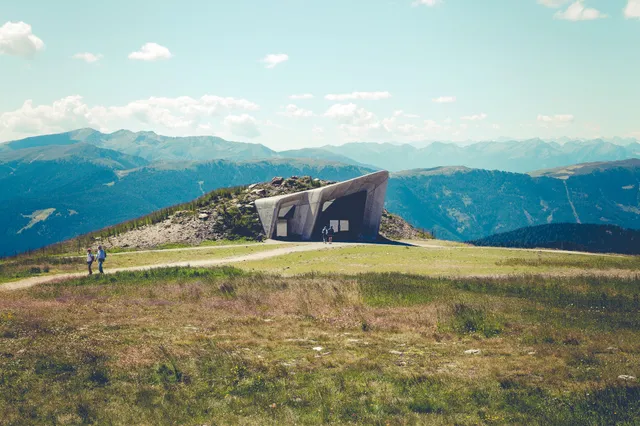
569	236
467	204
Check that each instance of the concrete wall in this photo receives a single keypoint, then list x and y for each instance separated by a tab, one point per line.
309	205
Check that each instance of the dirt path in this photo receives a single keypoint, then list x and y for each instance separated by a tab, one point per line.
30	282
226	246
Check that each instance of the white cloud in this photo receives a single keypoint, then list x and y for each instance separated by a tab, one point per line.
179	115
242	125
359	124
300	97
272	60
633	9
579	12
401	113
151	52
475	117
444	99
429	3
318	132
553	3
87	57
558	119
349	114
17	39
292	110
365	96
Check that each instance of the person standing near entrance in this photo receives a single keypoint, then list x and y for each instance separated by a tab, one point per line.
102	256
325	233
90	259
330	233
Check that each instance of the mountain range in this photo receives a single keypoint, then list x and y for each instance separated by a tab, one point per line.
55	187
514	156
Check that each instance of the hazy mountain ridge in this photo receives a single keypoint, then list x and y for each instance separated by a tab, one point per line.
507	155
514	156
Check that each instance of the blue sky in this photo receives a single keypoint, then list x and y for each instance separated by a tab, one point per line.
377	70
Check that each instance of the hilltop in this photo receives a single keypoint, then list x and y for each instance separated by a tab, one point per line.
225	214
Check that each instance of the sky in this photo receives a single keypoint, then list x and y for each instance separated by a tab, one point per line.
300	73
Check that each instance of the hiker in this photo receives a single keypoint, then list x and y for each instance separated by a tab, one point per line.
330	233
90	259
102	256
325	232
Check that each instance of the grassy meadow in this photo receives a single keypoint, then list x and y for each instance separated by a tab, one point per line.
234	346
34	265
438	259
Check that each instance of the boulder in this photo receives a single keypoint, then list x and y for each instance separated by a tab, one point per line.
626	377
277	181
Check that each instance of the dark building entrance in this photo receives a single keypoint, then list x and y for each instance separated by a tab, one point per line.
345	214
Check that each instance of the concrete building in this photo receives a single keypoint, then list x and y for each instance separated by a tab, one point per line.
353	207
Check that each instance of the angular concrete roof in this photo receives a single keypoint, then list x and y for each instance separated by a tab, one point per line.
309	205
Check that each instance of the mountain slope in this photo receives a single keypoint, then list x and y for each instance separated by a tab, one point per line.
466	204
81	196
320	154
569	236
153	147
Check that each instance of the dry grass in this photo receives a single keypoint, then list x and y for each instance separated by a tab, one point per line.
216	346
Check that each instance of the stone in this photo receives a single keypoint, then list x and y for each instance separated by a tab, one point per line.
318	348
626	377
277	181
203	216
259	192
253	185
395	352
472	352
